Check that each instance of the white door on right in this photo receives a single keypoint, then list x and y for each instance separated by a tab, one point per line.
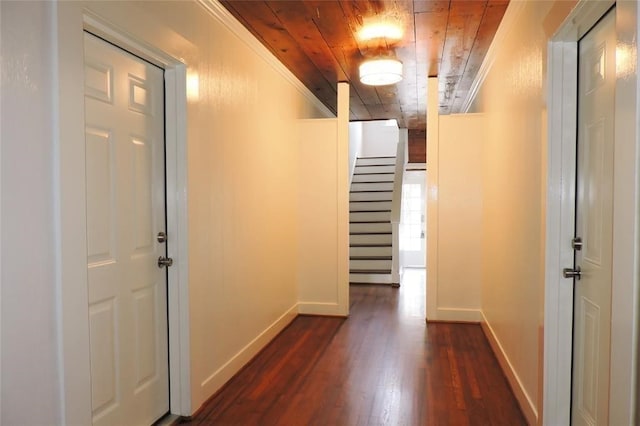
594	224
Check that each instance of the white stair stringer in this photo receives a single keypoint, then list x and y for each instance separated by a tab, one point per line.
370	227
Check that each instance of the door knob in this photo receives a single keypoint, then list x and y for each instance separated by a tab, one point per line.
572	273
164	261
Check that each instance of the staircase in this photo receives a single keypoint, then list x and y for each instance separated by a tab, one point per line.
370	231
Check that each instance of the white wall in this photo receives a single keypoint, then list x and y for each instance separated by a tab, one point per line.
317	270
242	192
323	203
379	139
455	145
460	233
454	214
355	145
28	339
513	101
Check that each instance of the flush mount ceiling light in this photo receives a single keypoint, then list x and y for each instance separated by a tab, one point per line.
380	71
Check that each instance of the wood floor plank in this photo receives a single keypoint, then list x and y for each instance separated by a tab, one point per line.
381	366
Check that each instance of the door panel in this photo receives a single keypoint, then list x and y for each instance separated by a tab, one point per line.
125	210
594	224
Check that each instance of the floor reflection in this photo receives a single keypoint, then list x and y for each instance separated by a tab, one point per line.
412	293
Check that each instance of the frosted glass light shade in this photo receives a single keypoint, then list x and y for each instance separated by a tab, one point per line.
380	72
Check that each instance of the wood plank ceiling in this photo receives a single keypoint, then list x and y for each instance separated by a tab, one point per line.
317	40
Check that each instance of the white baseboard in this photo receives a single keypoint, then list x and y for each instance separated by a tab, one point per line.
314	308
526	404
221	376
457	315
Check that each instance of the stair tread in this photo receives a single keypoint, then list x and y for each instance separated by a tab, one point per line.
368	211
370	258
371	190
370	221
369	245
374	173
370	271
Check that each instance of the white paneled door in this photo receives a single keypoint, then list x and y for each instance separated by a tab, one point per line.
124	116
594	225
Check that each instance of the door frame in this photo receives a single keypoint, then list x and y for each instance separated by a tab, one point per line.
560	216
73	325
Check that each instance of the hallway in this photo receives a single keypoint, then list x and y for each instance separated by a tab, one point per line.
382	366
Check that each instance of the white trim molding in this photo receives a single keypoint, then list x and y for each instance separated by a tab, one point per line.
321	309
432	198
459	315
524	399
222	375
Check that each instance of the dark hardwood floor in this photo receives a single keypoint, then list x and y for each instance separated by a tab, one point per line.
382	366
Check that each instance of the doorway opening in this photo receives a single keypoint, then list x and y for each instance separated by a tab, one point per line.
412	237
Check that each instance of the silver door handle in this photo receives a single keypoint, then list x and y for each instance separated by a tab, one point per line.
572	273
576	243
164	261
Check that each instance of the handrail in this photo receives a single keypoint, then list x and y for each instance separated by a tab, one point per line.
395	209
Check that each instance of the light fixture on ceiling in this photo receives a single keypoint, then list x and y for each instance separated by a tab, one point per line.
380	71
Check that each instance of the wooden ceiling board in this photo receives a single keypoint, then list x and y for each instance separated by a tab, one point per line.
462	27
429	6
266	26
295	19
318	41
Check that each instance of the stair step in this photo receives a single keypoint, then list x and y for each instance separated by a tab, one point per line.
356	240
356	252
385	258
376	265
375	161
372	178
370	228
369	271
368	206
371	186
355	217
375	169
371	196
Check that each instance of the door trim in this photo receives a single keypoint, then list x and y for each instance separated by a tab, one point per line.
71	280
560	216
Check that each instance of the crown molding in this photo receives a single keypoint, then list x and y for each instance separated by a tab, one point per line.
223	16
